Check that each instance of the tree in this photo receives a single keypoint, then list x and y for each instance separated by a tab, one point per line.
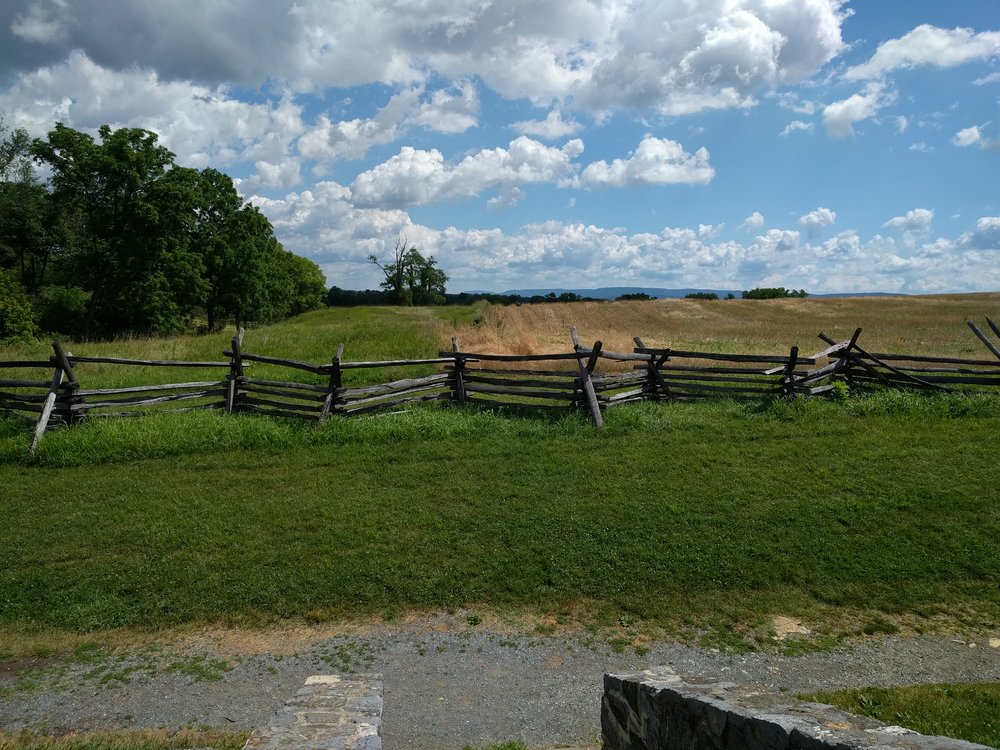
107	189
136	243
773	293
701	295
31	229
410	278
15	155
425	279
395	274
308	284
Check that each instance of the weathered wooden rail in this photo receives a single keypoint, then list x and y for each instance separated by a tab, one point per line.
535	382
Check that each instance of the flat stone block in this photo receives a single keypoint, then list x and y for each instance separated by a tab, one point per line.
330	712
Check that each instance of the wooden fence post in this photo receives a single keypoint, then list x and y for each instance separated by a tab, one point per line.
336	383
788	381
982	337
62	360
236	373
50	402
459	373
848	359
586	383
657	382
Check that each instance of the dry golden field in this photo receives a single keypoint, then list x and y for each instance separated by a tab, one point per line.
911	325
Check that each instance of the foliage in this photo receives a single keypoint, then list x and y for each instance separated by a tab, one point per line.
634	296
967	711
338	297
308	284
142	244
32	231
17	316
701	295
410	278
773	293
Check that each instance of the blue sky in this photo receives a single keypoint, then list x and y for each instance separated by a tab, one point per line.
817	144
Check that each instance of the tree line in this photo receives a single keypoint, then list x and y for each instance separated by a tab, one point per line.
121	240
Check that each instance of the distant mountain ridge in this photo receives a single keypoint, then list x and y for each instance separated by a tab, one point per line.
613	292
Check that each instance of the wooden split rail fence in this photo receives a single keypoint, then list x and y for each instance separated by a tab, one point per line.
537	382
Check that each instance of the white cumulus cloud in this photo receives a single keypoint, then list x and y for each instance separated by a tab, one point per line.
450	111
551	128
417	177
917	220
816	220
682	58
840	116
657	161
322	223
204	126
928	45
601	54
753	221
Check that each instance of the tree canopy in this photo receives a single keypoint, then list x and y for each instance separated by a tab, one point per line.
124	241
410	278
778	292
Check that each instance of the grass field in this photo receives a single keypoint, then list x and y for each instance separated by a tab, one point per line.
968	712
699	520
688	516
909	325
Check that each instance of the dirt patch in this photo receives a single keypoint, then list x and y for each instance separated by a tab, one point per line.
14	667
786	626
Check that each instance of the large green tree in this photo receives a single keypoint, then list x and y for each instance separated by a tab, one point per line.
410	278
123	240
109	191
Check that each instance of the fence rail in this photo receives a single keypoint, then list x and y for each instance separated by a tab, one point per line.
546	382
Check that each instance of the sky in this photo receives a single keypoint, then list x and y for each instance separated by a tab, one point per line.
822	145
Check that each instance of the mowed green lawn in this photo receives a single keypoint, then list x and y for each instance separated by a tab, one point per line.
686	515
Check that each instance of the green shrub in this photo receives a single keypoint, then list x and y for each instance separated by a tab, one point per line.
17	316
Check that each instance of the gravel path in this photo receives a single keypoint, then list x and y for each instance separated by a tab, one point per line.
442	689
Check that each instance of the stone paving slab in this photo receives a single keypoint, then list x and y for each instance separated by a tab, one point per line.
330	712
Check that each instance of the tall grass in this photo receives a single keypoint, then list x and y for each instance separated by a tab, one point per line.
908	325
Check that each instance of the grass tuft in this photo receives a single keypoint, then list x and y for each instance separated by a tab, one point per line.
968	711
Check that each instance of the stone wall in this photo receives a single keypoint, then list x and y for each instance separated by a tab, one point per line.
330	712
656	710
